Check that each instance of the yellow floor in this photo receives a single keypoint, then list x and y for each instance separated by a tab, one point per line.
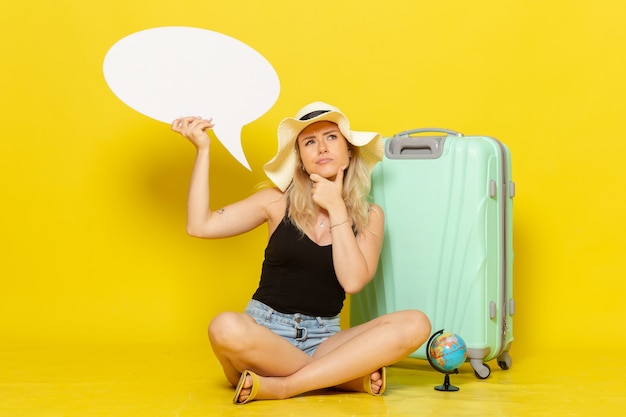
186	381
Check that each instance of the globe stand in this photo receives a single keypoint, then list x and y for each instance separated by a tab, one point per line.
446	384
446	380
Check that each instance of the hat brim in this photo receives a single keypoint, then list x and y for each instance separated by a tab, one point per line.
281	168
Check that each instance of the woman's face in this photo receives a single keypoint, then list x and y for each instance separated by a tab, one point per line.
323	149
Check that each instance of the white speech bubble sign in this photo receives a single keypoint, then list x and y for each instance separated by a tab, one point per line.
174	71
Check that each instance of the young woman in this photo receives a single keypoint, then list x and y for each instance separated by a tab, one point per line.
324	241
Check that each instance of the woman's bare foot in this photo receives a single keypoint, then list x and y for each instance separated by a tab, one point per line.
245	390
255	387
375	384
376	381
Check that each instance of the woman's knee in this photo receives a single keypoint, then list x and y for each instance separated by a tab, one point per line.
416	325
228	329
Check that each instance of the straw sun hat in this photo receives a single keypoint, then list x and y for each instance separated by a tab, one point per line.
282	167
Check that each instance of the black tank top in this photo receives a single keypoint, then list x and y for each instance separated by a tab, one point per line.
298	275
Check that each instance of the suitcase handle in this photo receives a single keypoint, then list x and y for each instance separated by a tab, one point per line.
418	147
404	146
428	130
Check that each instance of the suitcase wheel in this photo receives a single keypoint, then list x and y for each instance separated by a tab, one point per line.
505	361
481	370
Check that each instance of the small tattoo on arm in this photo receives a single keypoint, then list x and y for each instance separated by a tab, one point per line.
220	211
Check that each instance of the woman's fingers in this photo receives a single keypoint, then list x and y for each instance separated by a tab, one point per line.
177	125
189	124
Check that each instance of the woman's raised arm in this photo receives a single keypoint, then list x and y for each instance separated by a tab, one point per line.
231	220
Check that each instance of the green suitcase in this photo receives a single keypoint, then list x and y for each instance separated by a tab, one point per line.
448	239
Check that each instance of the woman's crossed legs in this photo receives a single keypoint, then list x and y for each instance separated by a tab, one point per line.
341	361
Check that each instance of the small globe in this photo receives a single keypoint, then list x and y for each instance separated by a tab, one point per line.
447	352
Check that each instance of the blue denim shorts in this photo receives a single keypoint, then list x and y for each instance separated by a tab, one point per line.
304	332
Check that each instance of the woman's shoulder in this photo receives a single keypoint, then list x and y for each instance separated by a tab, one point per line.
269	194
376	209
273	200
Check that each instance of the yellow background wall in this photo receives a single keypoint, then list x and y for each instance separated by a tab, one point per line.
92	220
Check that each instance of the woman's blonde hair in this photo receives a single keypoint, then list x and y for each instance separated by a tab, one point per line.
356	188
